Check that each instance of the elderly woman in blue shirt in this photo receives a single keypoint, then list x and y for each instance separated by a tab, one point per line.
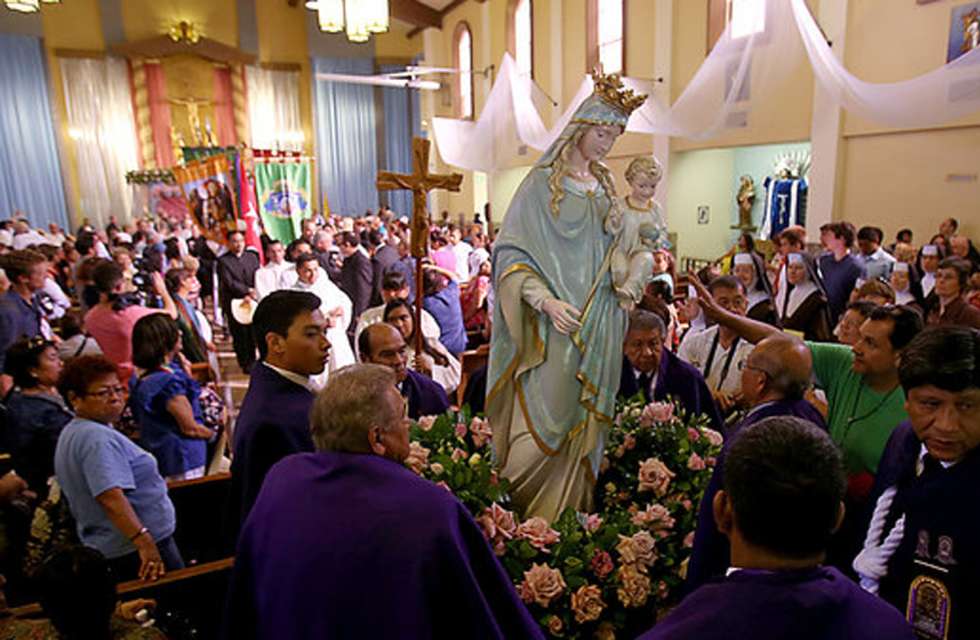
115	491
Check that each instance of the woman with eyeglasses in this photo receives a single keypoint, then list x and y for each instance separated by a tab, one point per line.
114	489
166	400
36	412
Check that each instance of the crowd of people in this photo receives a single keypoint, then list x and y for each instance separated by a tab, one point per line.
846	380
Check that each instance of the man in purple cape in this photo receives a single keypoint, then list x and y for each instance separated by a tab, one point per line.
782	499
348	543
774	377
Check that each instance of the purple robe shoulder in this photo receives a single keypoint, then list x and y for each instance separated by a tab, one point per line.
809	604
425	396
355	546
710	554
684	383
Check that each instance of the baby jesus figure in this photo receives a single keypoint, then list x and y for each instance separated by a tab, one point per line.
642	231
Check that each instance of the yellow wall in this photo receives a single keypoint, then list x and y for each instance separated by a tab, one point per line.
702	177
216	19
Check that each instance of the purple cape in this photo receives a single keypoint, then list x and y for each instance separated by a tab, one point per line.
343	545
807	604
710	555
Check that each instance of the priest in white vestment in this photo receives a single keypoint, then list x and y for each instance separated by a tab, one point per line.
335	306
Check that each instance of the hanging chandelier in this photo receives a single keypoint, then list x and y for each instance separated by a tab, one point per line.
359	18
27	6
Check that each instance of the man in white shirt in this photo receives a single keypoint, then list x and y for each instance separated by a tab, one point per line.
930	264
25	237
479	255
395	287
334	304
267	278
462	252
717	351
877	261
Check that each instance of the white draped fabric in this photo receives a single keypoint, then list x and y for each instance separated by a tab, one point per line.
273	109
947	93
100	118
747	67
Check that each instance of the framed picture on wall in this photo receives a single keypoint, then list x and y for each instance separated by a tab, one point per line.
964	30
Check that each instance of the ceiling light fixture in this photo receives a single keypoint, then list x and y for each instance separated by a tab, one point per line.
359	18
23	6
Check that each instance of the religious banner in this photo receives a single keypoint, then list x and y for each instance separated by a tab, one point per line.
250	209
157	194
282	182
208	188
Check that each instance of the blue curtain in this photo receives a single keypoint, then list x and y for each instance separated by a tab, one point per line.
346	137
30	173
400	125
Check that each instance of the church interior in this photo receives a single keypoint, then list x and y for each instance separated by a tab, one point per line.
608	248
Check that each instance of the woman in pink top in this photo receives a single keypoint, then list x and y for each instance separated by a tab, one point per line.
111	321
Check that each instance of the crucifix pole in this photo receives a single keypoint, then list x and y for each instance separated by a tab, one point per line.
420	182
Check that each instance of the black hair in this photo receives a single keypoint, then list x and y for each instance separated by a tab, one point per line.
395	304
234	232
661	288
870	234
393	281
85	243
726	282
174	277
81	371
291	248
903	232
106	275
375	239
154	336
22	356
348	238
907	323
961	267
946	356
864	307
432	282
70	325
276	312
304	258
78	593
785	479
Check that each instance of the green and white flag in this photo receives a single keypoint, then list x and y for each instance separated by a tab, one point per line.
283	188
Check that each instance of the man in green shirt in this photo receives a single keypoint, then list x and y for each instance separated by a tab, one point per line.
865	400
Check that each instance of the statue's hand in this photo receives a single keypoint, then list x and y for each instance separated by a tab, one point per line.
564	316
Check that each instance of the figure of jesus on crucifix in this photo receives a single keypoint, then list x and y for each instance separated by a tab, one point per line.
419	182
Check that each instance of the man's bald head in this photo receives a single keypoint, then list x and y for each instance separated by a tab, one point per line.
786	364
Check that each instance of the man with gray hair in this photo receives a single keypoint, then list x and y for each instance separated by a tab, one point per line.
651	369
348	543
774	378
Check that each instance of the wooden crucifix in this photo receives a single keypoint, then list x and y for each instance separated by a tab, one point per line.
419	182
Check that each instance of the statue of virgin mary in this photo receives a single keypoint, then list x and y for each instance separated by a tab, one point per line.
557	345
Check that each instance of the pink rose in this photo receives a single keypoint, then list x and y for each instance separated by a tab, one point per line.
656	412
498	525
654	476
426	422
480	431
587	604
601	564
542	584
460	430
538	532
687	504
638	549
711	461
592	523
436	468
418	457
713	437
555	626
458	454
695	463
655	517
689	540
693	435
634	586
662	590
629	442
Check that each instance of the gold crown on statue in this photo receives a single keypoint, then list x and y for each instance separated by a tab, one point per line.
610	89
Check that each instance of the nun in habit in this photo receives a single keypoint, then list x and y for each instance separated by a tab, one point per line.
750	269
802	303
905	282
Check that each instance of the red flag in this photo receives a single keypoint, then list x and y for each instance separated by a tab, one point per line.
250	210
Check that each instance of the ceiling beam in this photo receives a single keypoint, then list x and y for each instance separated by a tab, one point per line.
442	16
415	13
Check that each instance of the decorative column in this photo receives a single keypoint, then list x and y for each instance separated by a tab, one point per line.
141	111
240	104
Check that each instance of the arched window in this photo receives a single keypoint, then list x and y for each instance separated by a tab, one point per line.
463	59
745	16
520	35
606	35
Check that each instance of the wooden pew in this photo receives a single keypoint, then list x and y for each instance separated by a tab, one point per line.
200	505
196	594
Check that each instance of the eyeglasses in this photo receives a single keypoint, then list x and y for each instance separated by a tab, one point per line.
106	393
744	364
